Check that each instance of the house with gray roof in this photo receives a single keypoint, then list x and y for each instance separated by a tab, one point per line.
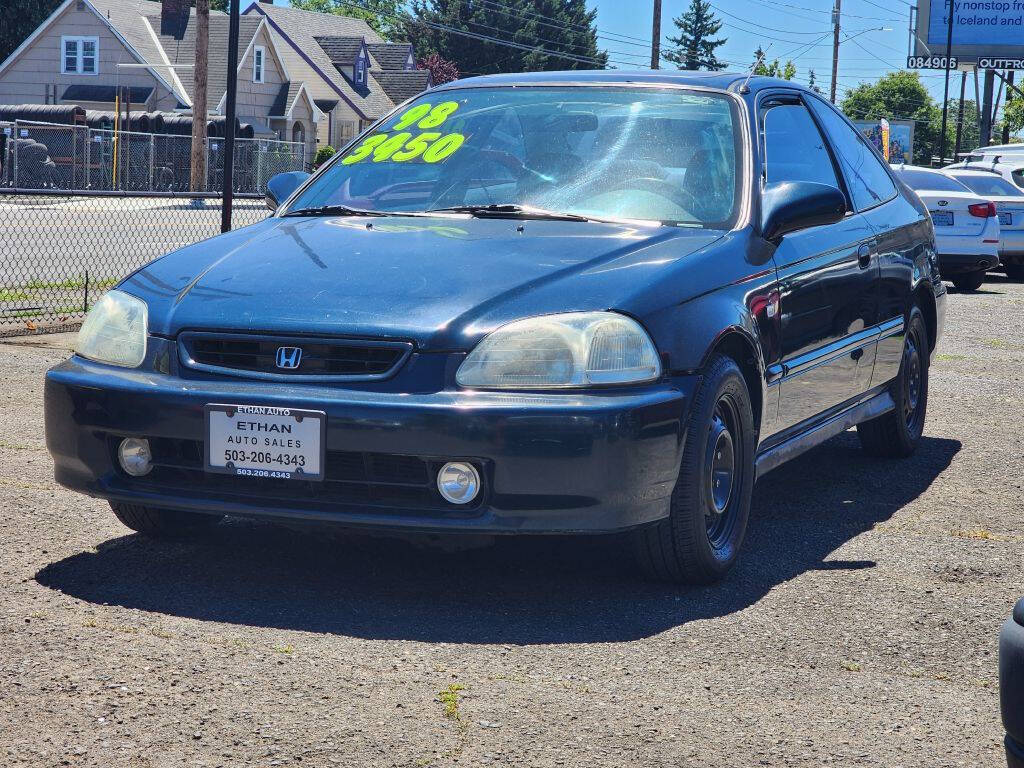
88	51
354	75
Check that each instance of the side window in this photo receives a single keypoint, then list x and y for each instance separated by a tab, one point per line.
870	183
794	149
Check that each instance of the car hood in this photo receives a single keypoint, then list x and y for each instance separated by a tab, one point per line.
441	282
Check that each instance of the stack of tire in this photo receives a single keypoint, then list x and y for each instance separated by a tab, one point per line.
1011	685
35	168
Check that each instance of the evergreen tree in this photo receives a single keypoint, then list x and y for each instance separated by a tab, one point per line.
812	81
694	47
548	34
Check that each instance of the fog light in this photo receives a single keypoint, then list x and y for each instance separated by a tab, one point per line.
458	482
136	458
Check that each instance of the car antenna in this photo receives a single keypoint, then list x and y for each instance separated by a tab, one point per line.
745	89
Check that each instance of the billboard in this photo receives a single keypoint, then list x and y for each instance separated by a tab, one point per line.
900	136
989	33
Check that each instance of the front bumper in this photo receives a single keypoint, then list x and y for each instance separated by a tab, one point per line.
552	463
1011	685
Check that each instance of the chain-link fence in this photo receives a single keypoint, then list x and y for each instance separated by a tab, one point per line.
76	157
60	251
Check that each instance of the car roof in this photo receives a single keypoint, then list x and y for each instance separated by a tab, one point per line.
721	81
908	167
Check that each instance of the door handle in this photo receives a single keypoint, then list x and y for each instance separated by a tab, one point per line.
864	255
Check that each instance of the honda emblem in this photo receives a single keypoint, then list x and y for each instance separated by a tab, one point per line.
288	357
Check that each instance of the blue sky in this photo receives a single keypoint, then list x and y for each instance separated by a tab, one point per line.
796	29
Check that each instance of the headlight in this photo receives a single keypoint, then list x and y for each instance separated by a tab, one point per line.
576	349
114	331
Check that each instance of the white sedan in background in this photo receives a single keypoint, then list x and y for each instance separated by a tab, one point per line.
966	225
1009	200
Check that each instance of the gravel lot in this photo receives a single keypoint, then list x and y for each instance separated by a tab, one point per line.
859	629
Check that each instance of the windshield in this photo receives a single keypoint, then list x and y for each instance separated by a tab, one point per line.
989	186
621	153
929	180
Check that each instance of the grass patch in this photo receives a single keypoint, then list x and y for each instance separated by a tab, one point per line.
70	284
950	358
10	294
998	344
976	533
449	698
286	649
850	666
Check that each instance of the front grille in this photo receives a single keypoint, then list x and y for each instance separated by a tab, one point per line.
257	355
351	478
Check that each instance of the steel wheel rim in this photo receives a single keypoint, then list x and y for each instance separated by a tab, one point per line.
722	470
911	380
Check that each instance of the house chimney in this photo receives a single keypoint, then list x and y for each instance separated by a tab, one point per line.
174	17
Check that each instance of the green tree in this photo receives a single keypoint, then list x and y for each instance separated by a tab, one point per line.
548	34
785	71
899	96
812	81
1013	114
384	16
695	45
19	19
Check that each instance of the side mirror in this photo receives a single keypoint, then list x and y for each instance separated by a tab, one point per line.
787	206
281	186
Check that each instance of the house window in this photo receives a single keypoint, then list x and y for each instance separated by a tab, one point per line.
259	55
361	68
79	55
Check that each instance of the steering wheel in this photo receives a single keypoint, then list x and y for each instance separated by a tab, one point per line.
506	159
665	189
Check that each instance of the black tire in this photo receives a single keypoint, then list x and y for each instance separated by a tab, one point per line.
897	433
163	523
700	539
1015	271
969	281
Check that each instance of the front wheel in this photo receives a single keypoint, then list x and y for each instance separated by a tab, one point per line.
163	523
897	433
969	281
700	539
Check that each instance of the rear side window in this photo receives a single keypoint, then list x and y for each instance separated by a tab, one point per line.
937	182
988	185
794	149
870	183
1018	177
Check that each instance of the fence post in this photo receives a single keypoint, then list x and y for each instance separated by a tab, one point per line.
14	147
85	299
152	141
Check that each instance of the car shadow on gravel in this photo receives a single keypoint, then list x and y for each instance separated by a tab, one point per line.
521	590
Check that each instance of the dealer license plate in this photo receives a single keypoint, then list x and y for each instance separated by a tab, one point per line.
942	218
1006	219
265	441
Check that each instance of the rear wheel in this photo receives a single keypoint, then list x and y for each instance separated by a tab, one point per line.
1015	271
969	281
163	523
898	432
700	539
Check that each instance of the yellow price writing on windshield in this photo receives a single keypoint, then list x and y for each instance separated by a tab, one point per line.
426	115
402	147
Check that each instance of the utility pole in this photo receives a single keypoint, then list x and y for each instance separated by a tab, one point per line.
1009	95
945	92
960	117
197	181
656	36
836	12
229	114
986	107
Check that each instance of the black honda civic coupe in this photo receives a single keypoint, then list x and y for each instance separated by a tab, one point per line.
576	302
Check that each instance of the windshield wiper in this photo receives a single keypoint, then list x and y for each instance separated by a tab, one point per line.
335	210
509	211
